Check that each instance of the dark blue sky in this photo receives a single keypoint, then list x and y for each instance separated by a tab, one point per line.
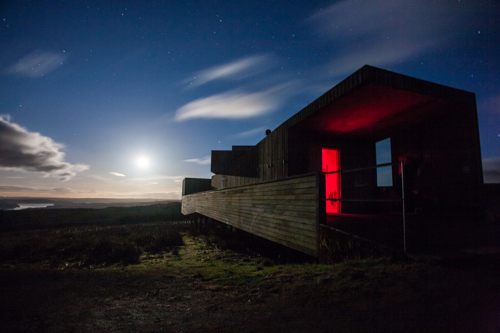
91	89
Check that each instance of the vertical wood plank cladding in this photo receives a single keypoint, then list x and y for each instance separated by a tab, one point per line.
285	211
272	151
321	206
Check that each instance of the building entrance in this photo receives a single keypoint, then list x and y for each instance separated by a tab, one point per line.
331	162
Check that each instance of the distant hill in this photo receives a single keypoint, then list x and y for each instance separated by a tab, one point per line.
96	203
45	218
8	204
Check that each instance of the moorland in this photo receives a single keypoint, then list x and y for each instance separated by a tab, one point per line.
147	269
57	203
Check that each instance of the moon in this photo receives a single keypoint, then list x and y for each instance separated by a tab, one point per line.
142	162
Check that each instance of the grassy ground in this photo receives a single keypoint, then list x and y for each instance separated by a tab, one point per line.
88	247
38	219
185	281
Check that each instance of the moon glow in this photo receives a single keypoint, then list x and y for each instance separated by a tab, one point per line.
142	162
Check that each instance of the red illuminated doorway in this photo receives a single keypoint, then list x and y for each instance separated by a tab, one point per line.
331	162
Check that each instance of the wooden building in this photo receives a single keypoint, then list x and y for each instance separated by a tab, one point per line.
280	189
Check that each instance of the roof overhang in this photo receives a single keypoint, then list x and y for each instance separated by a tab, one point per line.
373	110
372	102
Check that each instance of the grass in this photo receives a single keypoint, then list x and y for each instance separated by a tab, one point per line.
217	257
61	238
220	270
166	277
45	219
82	247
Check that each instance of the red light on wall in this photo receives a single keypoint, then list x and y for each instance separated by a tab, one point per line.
331	162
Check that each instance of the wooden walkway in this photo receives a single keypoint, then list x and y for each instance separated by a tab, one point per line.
284	211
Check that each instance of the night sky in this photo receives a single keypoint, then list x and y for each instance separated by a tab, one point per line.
124	99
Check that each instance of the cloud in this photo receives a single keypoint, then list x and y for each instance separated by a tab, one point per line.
232	105
117	174
37	64
100	178
384	32
31	152
380	55
235	70
203	161
174	194
176	179
33	189
168	195
491	170
159	195
259	130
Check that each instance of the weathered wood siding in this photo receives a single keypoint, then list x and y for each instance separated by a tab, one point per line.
285	212
225	181
276	159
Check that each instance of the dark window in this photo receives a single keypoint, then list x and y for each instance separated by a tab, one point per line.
383	151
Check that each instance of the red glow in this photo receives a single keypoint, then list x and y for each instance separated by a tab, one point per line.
371	109
331	162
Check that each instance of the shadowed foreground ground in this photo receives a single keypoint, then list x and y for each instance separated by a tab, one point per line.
204	288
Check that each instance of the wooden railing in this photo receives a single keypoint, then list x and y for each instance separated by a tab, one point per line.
284	211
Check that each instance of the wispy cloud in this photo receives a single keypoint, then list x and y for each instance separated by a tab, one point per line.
22	150
258	130
117	174
99	178
176	179
385	32
203	161
167	195
37	64
383	54
234	104
174	194
34	189
235	70
491	170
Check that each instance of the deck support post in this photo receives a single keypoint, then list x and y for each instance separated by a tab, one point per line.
404	205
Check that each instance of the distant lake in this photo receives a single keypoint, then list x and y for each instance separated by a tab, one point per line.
32	205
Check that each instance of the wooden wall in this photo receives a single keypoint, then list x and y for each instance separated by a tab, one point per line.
225	181
285	211
279	155
195	185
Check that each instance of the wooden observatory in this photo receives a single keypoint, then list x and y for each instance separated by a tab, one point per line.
282	189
